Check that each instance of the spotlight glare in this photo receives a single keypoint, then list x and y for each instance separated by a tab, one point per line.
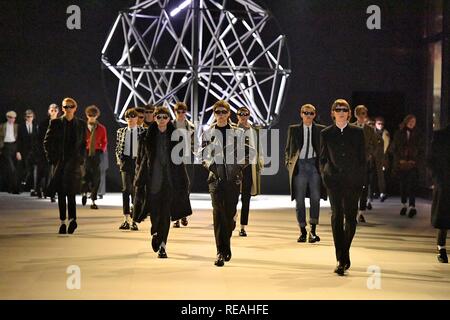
175	11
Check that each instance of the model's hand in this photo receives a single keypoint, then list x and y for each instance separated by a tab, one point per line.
18	156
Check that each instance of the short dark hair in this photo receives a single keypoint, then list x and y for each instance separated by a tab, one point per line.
162	110
242	109
149	107
140	109
379	118
92	110
180	106
131	112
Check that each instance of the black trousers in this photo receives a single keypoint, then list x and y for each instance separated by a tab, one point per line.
9	163
127	173
344	204
442	237
70	206
224	202
246	194
365	190
160	214
408	185
91	179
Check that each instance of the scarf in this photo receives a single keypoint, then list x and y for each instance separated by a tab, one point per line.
92	144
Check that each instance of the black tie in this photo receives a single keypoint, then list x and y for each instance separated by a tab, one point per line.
131	144
307	144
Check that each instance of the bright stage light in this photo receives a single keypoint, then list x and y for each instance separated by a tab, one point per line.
174	12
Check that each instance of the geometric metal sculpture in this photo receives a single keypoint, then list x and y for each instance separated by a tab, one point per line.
199	51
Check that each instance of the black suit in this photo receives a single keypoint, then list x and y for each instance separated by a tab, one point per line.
65	148
28	150
342	163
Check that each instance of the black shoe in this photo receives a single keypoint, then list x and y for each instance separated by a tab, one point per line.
100	196
313	238
361	219
302	238
162	253
242	233
442	256
412	212
227	256
340	269
184	221
72	226
369	206
155	242
219	261
134	226
94	206
125	226
176	224
62	229
52	199
403	211
346	261
383	198
83	200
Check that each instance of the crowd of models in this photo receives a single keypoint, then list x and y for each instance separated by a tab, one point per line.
348	163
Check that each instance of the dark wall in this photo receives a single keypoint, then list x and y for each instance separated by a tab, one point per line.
333	55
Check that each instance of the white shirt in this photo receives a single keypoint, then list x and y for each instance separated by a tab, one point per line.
342	129
9	137
29	127
311	153
128	142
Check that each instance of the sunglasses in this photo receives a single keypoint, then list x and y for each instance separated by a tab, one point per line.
243	114
159	117
220	111
131	116
141	117
69	106
341	110
308	113
29	117
91	115
181	111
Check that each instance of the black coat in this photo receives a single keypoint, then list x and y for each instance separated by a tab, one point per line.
181	205
292	152
404	149
67	174
28	143
439	163
343	158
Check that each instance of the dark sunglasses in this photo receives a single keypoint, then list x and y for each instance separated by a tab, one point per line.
159	117
29	117
341	110
131	116
91	115
243	114
69	106
220	111
308	113
181	111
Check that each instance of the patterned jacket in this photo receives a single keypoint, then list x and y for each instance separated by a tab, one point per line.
120	142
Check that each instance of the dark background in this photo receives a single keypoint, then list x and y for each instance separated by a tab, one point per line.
333	55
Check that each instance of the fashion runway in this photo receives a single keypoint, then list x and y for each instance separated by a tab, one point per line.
393	257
